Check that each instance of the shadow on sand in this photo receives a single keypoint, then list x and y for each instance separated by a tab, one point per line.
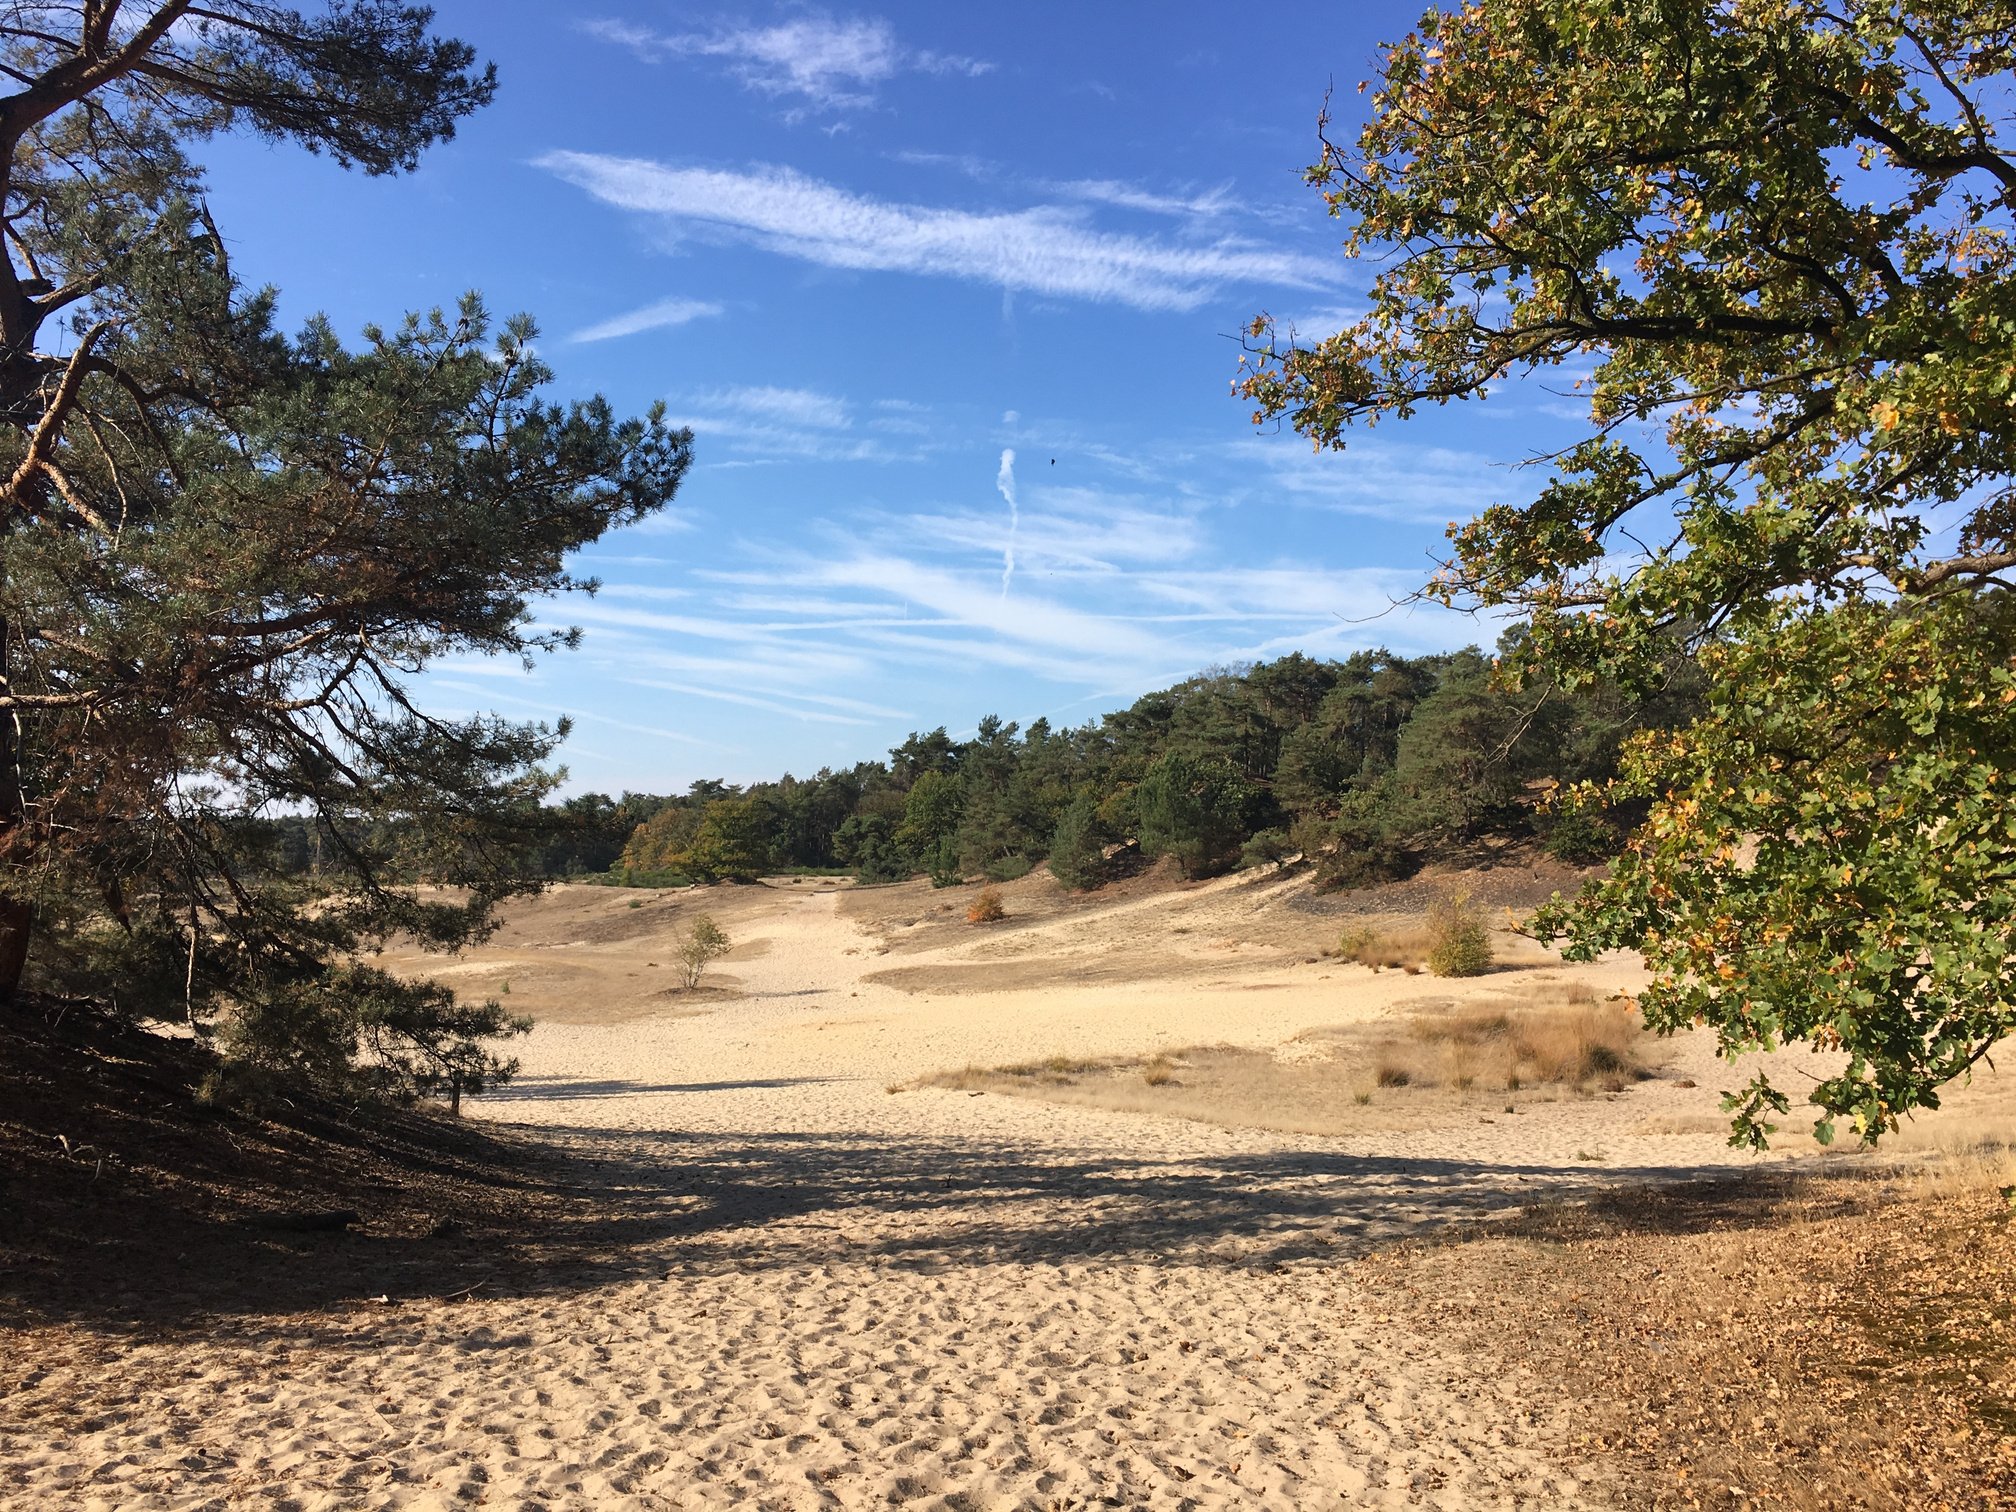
572	1089
591	1207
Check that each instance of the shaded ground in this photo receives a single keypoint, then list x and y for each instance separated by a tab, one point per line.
126	1203
1813	1342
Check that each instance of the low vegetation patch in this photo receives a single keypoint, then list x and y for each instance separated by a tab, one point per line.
1566	1038
1432	1065
987	907
1404	948
1052	1070
1452	940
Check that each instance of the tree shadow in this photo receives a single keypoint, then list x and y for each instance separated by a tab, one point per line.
151	1213
615	1206
572	1089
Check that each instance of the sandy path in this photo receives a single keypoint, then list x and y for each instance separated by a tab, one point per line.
864	1299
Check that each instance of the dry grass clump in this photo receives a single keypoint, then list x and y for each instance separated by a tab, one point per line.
1566	1039
1950	1157
1406	949
1442	1064
986	908
1052	1070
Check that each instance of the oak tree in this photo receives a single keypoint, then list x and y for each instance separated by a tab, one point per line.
1770	241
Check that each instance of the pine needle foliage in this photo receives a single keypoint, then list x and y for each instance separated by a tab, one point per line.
226	551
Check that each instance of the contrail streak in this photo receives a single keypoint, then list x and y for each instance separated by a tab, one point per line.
1005	481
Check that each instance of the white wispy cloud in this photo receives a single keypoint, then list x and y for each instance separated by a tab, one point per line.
748	700
1126	196
1044	250
1185	203
1076	530
762	424
830	63
1424	485
553	711
791	406
652	317
970	164
966	598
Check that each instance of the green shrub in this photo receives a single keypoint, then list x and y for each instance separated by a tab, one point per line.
358	1031
1192	808
1008	868
701	943
1271	847
1352	848
1459	941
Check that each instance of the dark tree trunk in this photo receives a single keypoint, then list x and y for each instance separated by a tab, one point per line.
17	921
17	915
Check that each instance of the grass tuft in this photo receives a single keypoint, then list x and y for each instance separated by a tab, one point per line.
1405	949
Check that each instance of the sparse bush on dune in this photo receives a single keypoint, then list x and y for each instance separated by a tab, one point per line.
700	945
987	907
1459	941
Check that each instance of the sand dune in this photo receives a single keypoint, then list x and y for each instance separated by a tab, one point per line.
852	1297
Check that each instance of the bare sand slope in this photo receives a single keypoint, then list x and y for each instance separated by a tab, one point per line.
850	1298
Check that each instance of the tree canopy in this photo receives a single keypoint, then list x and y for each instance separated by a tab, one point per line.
225	551
1770	240
1359	770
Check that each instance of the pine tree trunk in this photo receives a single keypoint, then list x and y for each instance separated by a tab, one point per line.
17	915
17	922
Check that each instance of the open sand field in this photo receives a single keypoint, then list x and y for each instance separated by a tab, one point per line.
847	1287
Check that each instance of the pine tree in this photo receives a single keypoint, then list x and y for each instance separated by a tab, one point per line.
1077	851
225	552
1193	809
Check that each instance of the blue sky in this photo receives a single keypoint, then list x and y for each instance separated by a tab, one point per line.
950	297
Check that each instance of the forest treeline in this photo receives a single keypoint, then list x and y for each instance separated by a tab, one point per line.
1361	767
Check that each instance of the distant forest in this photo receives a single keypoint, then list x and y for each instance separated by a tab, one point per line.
1362	768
